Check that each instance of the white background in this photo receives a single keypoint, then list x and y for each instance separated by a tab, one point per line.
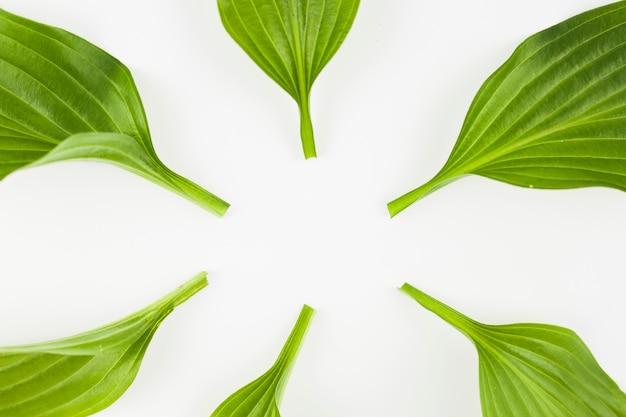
83	244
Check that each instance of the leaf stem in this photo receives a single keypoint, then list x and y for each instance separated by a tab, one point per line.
190	190
185	291
306	129
290	350
464	324
292	345
303	87
440	180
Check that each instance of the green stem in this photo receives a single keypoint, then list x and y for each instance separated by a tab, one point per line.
303	86
165	305
196	194
187	189
187	290
401	203
464	324
286	358
306	129
292	345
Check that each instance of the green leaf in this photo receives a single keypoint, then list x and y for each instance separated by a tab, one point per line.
81	375
64	98
291	40
552	116
533	370
262	397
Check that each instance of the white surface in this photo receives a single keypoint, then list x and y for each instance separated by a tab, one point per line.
82	244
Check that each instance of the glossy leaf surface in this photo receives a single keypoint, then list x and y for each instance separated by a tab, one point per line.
552	116
262	397
81	375
63	98
291	40
533	370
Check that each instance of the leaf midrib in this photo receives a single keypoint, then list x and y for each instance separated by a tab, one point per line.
511	147
534	388
298	30
506	358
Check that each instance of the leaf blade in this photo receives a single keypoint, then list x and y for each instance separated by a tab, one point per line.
561	94
262	397
55	85
291	41
530	369
83	374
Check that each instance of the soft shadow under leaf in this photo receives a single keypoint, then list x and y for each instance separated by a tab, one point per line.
533	370
552	116
58	91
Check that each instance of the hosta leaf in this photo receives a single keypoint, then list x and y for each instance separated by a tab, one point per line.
63	98
533	370
262	397
552	116
81	375
291	40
